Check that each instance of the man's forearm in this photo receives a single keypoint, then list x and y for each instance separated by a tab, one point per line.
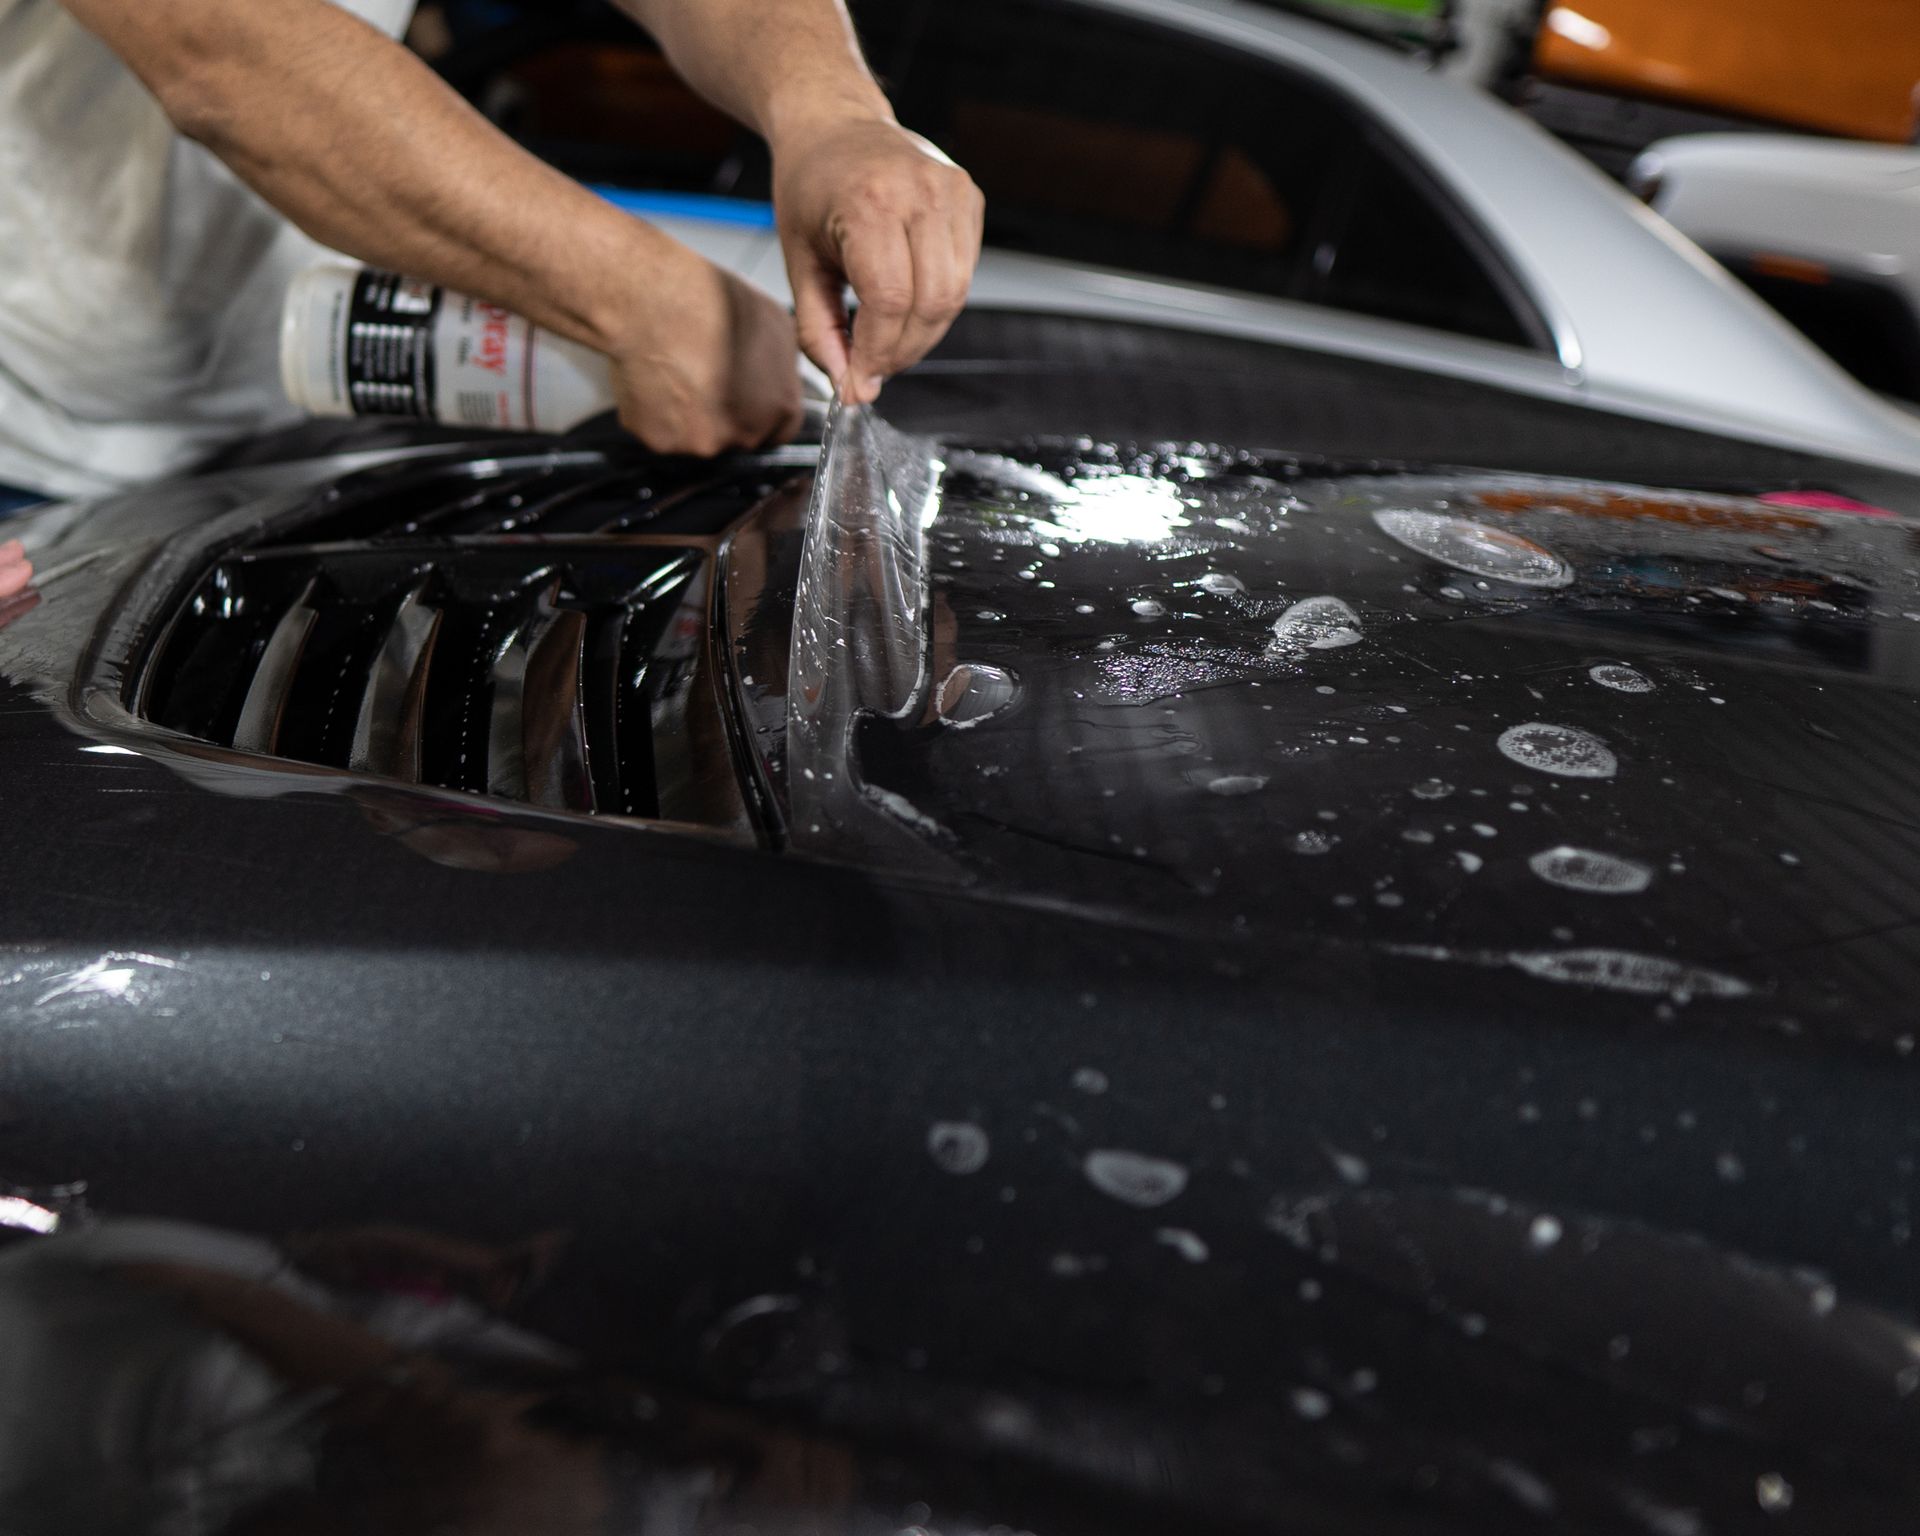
782	67
366	149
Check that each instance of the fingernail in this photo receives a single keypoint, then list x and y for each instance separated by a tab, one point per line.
870	387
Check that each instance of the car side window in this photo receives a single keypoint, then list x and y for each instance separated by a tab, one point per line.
1101	141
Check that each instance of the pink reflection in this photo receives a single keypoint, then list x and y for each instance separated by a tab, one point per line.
1825	501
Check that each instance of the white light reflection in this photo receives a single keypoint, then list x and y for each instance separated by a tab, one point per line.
106	751
25	1216
1581	31
1099	508
112	976
1120	509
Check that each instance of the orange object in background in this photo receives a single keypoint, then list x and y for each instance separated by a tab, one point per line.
1841	66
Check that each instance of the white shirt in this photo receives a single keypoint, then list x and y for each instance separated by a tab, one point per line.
140	281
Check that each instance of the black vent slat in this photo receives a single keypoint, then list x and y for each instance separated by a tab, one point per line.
658	658
553	717
457	709
261	712
580	506
411	497
536	740
618	785
386	733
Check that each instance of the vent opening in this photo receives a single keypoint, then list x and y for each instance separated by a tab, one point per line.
532	628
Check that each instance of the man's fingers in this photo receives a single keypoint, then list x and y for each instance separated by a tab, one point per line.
942	273
14	576
777	409
819	311
879	262
788	427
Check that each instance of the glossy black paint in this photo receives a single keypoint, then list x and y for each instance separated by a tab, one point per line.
1420	1202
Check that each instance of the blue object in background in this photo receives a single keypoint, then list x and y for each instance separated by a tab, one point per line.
469	19
738	211
13	499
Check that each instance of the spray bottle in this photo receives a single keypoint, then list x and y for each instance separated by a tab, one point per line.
357	342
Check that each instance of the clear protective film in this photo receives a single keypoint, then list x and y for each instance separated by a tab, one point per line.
860	633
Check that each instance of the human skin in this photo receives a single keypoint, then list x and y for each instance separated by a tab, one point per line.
15	572
361	145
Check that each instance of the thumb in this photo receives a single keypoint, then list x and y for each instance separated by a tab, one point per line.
819	311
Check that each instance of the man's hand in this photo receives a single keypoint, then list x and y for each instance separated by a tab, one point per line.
858	199
705	362
15	572
17	596
861	201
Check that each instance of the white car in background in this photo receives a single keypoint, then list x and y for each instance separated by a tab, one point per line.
1827	230
1224	166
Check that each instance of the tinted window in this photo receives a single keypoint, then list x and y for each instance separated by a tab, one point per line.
585	90
1100	142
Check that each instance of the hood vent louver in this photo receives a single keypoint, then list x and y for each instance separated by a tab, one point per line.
533	629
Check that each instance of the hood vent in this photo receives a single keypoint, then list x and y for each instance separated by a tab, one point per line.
533	628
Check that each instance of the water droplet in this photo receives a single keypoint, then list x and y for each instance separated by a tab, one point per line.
1621	679
1470	862
1238	784
1313	840
1730	1168
1147	607
1473	547
1090	1080
1544	1232
1596	874
1220	583
1189	1245
1353	1169
1527	1487
957	1146
974	692
1432	789
1310	1404
1774	1492
1083	607
1620	970
1559	749
1315	624
1134	1178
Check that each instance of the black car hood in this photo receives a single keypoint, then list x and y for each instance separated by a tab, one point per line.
1593	735
419	1160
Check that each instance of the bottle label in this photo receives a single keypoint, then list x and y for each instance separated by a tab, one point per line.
390	360
484	361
